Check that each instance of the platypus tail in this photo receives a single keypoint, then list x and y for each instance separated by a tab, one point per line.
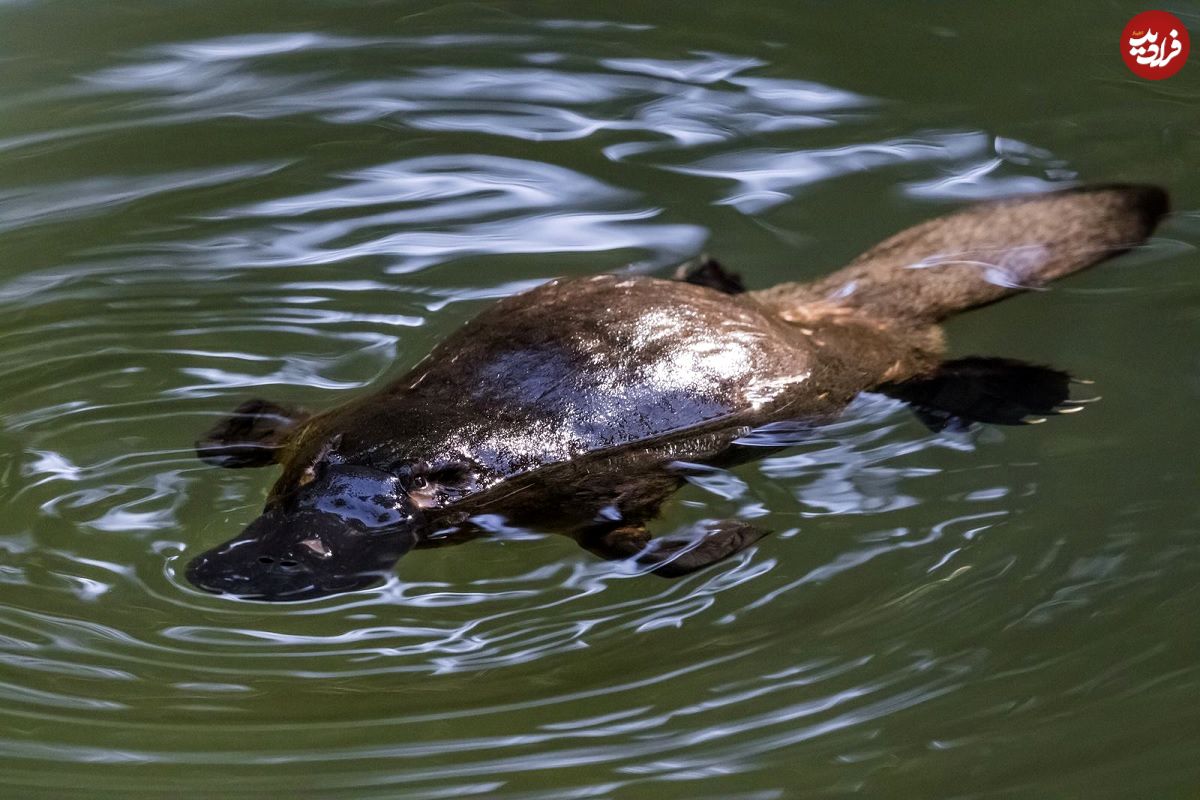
985	253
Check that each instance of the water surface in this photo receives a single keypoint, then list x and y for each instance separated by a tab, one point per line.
201	203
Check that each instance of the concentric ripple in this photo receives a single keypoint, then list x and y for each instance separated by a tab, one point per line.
297	207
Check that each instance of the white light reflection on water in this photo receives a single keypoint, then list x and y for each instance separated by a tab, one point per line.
299	214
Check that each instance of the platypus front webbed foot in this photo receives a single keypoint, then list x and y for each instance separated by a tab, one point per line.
998	391
251	436
674	556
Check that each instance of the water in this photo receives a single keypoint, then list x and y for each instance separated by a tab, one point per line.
201	203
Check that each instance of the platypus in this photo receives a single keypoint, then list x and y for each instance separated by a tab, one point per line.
580	405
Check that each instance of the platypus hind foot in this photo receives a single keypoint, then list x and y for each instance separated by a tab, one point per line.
707	271
999	391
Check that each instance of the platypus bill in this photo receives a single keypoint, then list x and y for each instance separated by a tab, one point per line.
574	406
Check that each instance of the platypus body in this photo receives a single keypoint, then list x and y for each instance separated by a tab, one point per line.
580	406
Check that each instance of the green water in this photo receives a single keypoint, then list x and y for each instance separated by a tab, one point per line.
203	202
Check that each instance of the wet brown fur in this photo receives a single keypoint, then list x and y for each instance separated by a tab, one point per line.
1031	240
571	406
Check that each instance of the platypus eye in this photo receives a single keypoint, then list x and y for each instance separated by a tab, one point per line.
419	482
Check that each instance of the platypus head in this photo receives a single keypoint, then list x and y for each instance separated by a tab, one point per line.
344	529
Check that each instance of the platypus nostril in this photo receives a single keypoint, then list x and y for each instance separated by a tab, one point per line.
279	564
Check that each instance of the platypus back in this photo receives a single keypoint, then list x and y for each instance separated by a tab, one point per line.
983	254
581	405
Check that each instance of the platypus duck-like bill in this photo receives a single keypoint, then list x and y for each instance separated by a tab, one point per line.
579	405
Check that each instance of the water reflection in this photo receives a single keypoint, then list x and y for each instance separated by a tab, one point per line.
425	211
298	214
669	101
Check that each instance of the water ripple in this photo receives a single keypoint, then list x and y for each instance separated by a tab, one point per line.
300	214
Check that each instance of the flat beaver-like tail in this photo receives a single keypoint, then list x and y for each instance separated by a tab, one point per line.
985	253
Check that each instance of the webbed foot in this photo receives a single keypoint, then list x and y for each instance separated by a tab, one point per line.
676	556
707	271
251	436
999	391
